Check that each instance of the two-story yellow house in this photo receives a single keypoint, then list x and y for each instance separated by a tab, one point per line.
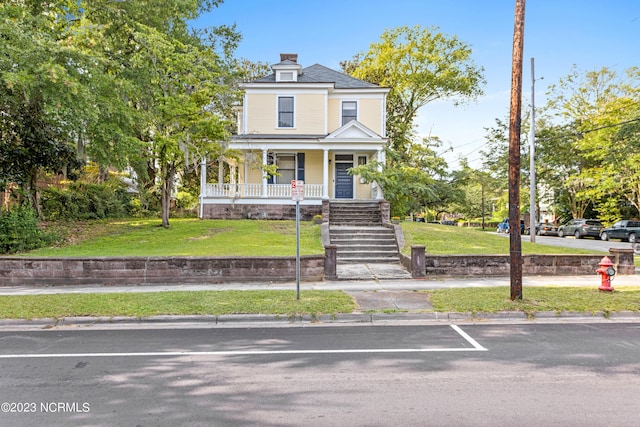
314	124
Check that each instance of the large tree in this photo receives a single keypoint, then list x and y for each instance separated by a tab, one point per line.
180	127
419	65
49	84
591	117
119	82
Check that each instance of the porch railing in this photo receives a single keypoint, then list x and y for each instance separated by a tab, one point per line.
276	191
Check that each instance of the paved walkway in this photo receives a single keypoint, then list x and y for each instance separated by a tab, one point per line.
372	272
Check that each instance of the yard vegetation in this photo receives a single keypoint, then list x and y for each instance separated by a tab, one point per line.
194	237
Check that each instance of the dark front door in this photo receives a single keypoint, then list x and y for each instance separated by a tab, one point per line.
344	181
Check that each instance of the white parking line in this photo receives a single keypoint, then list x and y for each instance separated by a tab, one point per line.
476	347
471	341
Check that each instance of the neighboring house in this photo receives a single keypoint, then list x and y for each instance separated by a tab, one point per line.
314	123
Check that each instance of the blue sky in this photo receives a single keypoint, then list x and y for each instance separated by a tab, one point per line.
589	34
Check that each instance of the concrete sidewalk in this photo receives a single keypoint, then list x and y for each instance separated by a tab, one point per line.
345	285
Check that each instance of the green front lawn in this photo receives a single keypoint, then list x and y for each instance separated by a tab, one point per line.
187	237
194	237
450	240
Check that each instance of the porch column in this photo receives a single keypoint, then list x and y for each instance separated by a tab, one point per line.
203	184
244	181
221	172
381	162
264	175
325	174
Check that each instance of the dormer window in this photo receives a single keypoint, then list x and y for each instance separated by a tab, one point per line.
288	69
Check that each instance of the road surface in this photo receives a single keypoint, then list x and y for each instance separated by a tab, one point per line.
348	375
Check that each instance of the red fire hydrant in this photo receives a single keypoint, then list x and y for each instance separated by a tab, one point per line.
606	272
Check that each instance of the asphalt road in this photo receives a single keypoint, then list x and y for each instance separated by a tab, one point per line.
416	374
587	243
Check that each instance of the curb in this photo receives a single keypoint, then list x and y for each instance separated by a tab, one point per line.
325	319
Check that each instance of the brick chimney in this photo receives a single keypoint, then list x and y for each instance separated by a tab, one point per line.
289	56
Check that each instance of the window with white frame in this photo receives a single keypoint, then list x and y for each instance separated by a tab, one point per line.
286	168
285	111
349	111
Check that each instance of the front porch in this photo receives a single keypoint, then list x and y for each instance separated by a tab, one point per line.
260	191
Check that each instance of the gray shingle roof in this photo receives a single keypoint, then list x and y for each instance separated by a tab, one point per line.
320	74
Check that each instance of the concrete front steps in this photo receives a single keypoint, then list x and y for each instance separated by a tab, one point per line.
357	244
357	213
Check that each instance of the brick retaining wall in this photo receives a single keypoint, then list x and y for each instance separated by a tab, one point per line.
156	270
258	211
499	265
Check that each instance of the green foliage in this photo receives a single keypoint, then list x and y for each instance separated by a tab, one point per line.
185	200
419	65
589	144
19	230
81	201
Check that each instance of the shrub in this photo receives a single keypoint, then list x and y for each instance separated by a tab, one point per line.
82	201
186	201
19	231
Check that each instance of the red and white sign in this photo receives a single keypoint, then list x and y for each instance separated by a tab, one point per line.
297	190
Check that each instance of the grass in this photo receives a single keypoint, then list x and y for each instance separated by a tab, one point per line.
186	237
447	240
314	303
174	303
535	299
194	237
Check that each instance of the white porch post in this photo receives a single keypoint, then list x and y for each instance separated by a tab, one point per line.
325	174
264	175
246	172
203	184
381	161
220	171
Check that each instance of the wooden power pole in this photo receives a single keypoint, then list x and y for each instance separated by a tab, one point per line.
515	242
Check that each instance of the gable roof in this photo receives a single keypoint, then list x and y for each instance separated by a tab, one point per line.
320	74
353	129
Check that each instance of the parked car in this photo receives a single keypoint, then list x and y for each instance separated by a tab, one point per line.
625	230
580	228
546	229
503	227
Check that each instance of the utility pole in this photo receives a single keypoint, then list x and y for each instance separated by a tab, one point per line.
515	242
532	162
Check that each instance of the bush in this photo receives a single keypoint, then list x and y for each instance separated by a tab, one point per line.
19	231
186	201
82	201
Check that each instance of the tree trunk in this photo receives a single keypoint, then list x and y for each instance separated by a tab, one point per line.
33	191
167	186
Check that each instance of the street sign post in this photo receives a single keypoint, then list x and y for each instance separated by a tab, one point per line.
297	195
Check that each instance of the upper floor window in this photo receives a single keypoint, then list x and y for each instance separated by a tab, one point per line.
285	111
349	111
